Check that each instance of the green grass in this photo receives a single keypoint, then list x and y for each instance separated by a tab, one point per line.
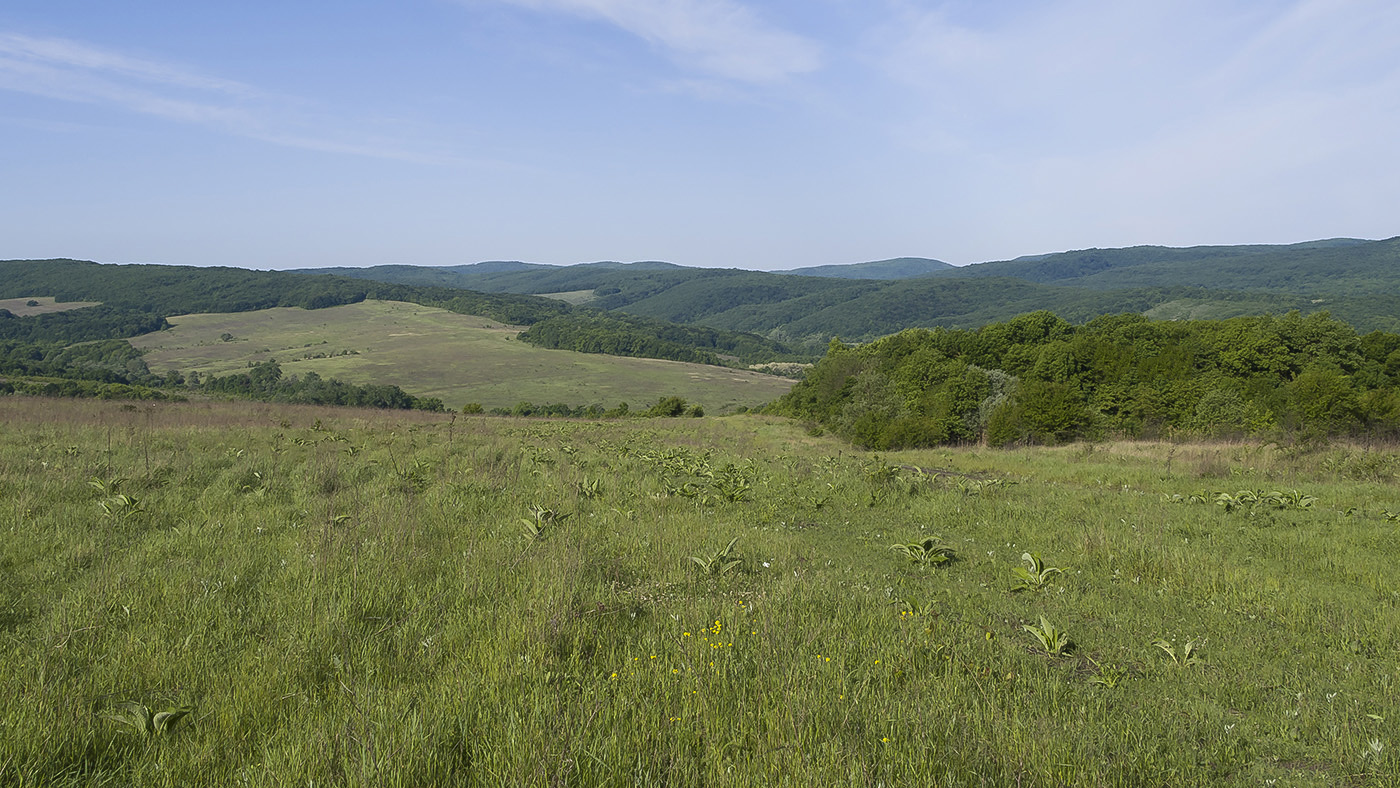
435	353
350	597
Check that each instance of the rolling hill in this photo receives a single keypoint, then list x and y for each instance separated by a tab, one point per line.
435	353
1356	280
1337	266
135	294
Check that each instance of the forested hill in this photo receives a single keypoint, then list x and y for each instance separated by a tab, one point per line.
517	277
137	298
1356	281
167	290
1339	266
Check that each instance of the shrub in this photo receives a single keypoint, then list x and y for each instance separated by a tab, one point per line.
668	406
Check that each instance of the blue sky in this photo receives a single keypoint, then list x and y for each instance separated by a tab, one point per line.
762	134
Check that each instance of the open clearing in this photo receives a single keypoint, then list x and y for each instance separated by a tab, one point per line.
347	597
19	307
431	352
574	297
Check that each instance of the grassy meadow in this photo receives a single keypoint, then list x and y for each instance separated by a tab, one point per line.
431	352
335	597
43	305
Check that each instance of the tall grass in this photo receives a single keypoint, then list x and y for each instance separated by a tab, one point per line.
350	598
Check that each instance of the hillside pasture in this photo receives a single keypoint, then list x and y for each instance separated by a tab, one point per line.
341	597
574	297
431	352
19	307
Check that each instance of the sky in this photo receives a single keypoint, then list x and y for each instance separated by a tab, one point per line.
760	134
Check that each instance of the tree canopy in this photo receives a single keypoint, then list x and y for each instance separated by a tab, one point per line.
1039	379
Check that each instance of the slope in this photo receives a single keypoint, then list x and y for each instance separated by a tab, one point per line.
435	353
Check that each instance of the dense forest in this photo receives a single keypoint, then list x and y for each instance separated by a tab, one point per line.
1039	379
109	361
80	325
616	334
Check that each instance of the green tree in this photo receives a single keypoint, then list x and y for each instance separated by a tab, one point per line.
1321	401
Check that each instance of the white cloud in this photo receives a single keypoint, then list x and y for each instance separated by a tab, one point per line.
73	71
716	37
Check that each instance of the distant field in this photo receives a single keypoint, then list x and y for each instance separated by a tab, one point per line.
574	297
1202	309
435	353
19	307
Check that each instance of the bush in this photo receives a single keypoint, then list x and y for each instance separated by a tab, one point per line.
668	406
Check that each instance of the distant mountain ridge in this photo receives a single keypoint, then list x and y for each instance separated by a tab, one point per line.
896	268
1246	267
1357	280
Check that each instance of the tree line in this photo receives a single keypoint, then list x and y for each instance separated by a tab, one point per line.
265	381
616	334
113	369
1039	379
663	407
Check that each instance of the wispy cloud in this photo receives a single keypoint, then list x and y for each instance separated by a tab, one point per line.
1098	69
719	38
74	71
1096	122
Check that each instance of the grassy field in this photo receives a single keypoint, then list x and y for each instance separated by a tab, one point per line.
340	597
431	352
19	307
574	297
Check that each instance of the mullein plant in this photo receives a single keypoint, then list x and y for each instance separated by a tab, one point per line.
1036	577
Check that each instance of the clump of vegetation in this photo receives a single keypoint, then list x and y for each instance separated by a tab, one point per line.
1253	499
1035	575
541	522
1186	656
141	720
1106	675
1053	640
929	552
721	562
